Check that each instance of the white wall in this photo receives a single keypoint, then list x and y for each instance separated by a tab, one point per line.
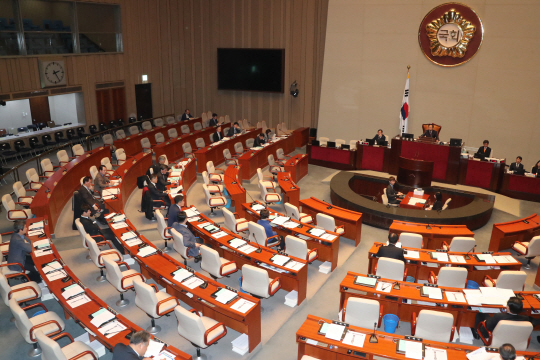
64	109
11	115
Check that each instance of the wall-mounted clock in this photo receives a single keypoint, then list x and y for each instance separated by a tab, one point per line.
52	73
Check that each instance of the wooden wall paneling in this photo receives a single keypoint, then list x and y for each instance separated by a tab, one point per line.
4	77
175	28
103	104
203	22
308	66
119	103
190	29
166	73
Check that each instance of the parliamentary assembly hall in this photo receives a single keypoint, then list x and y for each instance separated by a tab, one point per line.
269	179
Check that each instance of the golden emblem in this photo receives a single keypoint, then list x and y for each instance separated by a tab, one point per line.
450	34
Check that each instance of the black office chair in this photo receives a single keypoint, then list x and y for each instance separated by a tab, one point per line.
59	137
120	122
103	127
6	152
67	124
113	124
47	141
70	134
35	145
42	126
32	127
81	133
21	148
132	120
22	129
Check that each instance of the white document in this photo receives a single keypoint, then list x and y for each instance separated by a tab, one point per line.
257	207
219	234
108	197
334	332
329	237
193	282
242	305
154	348
72	290
36	225
354	338
112	328
317	232
78	301
38	253
455	297
504	259
384	286
102	316
435	293
412	254
41	243
280	220
133	242
201	225
458	259
290	225
119	218
164	355
36	232
225	295
146	251
119	225
191	212
53	265
181	274
175	174
247	249
294	265
128	235
435	354
488	258
465	335
413	350
191	219
60	274
473	296
441	256
111	191
236	243
280	259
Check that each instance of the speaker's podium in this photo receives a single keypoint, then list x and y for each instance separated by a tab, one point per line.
414	172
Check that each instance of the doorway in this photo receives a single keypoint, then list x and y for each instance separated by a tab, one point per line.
143	99
39	109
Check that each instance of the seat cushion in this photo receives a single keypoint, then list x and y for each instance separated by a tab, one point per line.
227	268
312	256
215	188
216	177
18	214
166	305
272	198
27	200
76	348
445	247
489	283
26	294
243	226
50	328
520	248
4	247
306	219
7	271
208	323
129	282
217	201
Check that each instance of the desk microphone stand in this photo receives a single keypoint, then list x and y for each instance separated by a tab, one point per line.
373	338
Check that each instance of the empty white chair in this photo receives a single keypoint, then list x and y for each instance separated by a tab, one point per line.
232	223
23	292
249	143
200	143
154	303
267	181
246	125
411	240
363	313
339	142
513	280
229	159
273	166
159	138
158	122
352	144
184	129
20	192
216	266
433	325
48	322
197	126
213	188
108	140
227	119
391	269
279	131
529	249
239	148
107	163
258	234
121	280
200	331
4	246
257	282
516	333
173	134
120	134
267	195
214	202
178	245
216	175
328	223
323	141
120	156
63	157
188	151
146	125
460	244
293	213
204	117
146	145
163	229
285	129
446	203
48	167
97	255
281	155
77	150
12	213
83	234
169	120
298	248
74	350
134	130
450	276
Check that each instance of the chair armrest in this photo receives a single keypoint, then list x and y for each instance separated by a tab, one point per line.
127	277
120	263
344	310
380	315
21	203
314	250
101	236
432	276
219	198
35	327
305	216
215	189
207	332
452	333
163	302
220	176
413	323
487	277
339	227
219	169
240	222
34	190
17	275
230	272
35	182
165	235
107	252
278	280
445	245
195	312
43	177
266	243
31	306
24	288
487	341
155	287
84	353
8	264
105	242
522	244
61	335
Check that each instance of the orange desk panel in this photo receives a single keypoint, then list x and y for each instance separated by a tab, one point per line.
291	191
504	235
297	166
432	238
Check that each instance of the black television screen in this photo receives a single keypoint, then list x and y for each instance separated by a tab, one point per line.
251	69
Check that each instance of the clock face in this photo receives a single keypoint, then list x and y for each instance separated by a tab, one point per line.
52	73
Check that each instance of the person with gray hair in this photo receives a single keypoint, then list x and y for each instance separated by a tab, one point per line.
138	344
20	252
507	352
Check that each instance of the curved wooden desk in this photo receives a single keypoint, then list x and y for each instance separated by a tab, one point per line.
253	159
504	235
290	190
521	187
80	314
419	268
351	220
301	136
235	189
434	237
297	165
415	173
57	190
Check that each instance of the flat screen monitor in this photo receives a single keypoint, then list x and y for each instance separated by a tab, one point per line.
371	141
407	136
455	142
251	69
331	144
345	147
315	143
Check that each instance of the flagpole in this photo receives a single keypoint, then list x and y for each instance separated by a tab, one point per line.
404	112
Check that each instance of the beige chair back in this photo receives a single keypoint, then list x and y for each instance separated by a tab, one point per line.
178	243
238	148
339	142
323	141
158	122
513	280
46	165
452	277
77	150
326	222
534	247
434	325
173	134
62	156
145	298
33	177
107	163
82	232
114	275
197	126
108	139
93	172
188	151
516	333
230	220
184	129
146	125
134	130
159	138
411	240
120	156
256	233
19	189
210	261
296	247
249	143
446	203
170	120
22	322
352	144
190	326
391	269
255	281
462	244
200	143
363	313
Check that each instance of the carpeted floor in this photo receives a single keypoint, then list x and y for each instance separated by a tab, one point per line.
279	322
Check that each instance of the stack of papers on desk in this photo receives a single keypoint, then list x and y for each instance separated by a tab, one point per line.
414	201
78	300
225	295
181	274
412	349
242	305
119	225
115	182
440	256
488	258
184	163
36	226
193	282
412	254
154	348
203	224
328	237
175	173
273	268
219	234
474	297
247	249
316	232
36	232
240	345
112	328
133	242
128	235
46	251
335	332
294	265
302	236
108	216
290	225
72	290
384	286
458	259
433	292
111	191
455	297
256	148
257	207
119	218
53	265
192	212
236	243
40	244
435	354
280	259
177	190
101	316
147	251
495	296
280	220
164	355
354	338
191	219
504	259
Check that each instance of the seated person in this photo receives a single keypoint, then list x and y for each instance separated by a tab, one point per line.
430	133
186	115
268	135
535	168
218	135
259	140
265	223
101	181
86	193
514	307
380	139
190	241
163	177
156	167
20	251
138	345
391	192
235	129
517	167
175	209
157	194
507	352
483	151
93	229
214	120
391	250
438	204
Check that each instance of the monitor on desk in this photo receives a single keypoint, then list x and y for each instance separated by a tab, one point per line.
407	136
331	144
382	143
455	142
345	147
315	143
371	141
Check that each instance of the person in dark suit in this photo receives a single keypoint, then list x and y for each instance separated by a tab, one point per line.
100	181
507	352
138	345
484	151
514	306
391	250
391	193
265	223
535	168
218	135
186	115
163	175
20	251
379	138
93	229
175	209
190	240
517	167
156	167
86	193
259	140
157	194
214	120
430	133
438	204
235	129
268	135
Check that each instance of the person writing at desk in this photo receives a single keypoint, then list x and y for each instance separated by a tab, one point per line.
186	115
190	241
20	251
259	140
86	192
214	120
218	135
380	139
235	129
163	177
100	181
517	167
265	223
391	192
484	151
535	168
138	345
430	133
175	209
391	250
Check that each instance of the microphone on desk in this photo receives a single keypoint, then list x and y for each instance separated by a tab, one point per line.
429	227
373	338
467	257
48	190
396	286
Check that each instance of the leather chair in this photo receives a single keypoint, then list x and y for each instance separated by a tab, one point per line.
201	331
352	144
229	159
214	202
184	129
249	143
268	195
200	143
63	157
364	313
49	323
281	155
436	127
108	140
20	193
215	175
293	213
513	280
273	166
146	145
26	291
323	141
216	266
529	249
239	148
384	198
339	142
12	213
133	130
257	234
120	134
4	247
83	234
173	134
517	333
212	187
160	139
107	163
298	248
460	244
433	325
77	150
227	119
256	282
169	120
391	269
121	280
163	230
246	125
74	350
97	255
197	126
48	168
178	245
232	223
188	152
446	203
93	172
328	223
285	129
267	181
411	240
158	122
154	303
121	156
450	277
146	125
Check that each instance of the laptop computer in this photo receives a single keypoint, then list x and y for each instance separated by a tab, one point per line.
455	142
331	144
407	136
315	143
